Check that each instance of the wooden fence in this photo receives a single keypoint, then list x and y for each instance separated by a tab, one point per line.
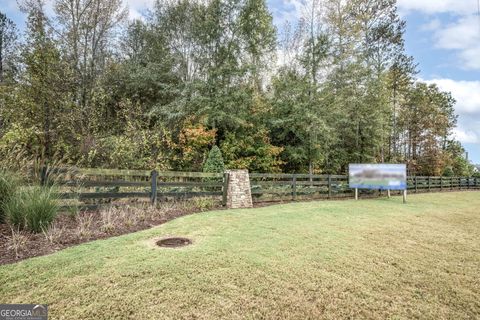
286	187
91	188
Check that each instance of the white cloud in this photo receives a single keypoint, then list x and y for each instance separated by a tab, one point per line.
467	95
433	25
462	35
467	136
137	8
286	10
438	6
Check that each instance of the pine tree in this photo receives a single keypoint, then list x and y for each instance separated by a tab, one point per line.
214	162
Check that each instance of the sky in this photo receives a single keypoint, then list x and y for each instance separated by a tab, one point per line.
442	35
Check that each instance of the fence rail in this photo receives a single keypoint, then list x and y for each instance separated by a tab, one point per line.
91	188
271	187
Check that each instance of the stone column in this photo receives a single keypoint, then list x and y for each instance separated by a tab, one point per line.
239	194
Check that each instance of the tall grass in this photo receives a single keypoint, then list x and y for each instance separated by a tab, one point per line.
8	187
32	209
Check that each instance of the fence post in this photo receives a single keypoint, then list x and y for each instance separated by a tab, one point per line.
329	186
225	188
441	183
153	180
459	181
468	183
429	183
416	184
294	187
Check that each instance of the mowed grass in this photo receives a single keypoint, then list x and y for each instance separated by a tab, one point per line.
376	259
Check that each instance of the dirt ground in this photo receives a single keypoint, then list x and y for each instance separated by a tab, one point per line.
69	230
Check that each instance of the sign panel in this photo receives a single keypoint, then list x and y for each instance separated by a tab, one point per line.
378	176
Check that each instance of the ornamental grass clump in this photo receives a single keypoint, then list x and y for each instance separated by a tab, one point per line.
33	209
8	187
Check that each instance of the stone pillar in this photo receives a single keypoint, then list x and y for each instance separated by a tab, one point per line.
239	194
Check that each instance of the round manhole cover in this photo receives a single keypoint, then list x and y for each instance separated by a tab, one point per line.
174	242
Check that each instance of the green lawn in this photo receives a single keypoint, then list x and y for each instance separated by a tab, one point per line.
340	259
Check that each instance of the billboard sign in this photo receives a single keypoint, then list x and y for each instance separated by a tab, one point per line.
378	176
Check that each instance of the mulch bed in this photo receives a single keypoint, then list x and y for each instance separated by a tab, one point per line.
38	245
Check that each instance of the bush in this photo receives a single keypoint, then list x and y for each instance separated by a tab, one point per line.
32	209
8	186
448	172
214	162
203	204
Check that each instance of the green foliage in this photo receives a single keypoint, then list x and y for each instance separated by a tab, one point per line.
300	122
136	151
214	162
456	160
32	209
202	204
448	172
462	167
8	186
253	152
203	73
19	142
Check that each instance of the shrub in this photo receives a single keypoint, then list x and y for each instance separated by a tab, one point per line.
8	186
17	242
203	204
214	162
448	172
109	218
54	234
84	226
32	209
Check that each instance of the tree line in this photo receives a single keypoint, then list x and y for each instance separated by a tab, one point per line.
87	86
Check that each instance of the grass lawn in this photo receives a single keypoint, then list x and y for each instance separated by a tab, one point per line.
339	259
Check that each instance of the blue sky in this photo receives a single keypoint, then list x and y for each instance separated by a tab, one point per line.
442	35
444	38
